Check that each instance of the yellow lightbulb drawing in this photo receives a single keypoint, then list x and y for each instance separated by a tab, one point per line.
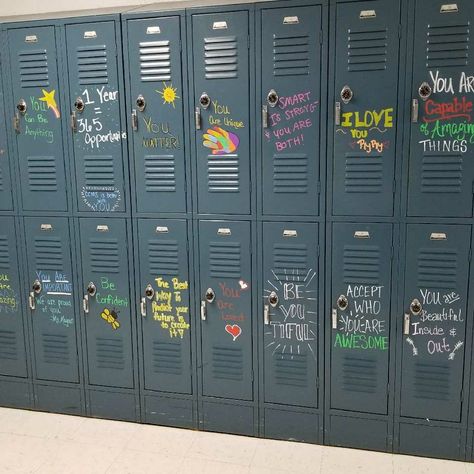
168	93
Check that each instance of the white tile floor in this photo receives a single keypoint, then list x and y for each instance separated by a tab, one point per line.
49	444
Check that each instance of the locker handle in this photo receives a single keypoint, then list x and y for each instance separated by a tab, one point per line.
406	324
85	304
134	120
266	314
203	311
414	110
32	300
73	122
143	307
197	118
264	116
16	122
334	318
337	113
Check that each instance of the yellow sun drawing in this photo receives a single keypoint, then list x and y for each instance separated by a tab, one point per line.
168	93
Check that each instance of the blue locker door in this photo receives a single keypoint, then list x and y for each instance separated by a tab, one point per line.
290	83
221	101
441	161
360	316
51	300
12	337
226	309
6	201
106	301
164	304
366	89
157	98
434	320
38	112
290	313
95	107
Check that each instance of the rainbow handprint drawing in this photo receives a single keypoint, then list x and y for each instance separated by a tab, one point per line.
220	141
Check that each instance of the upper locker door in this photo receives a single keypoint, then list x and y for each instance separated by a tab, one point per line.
106	301
50	297
290	313
434	321
441	168
37	121
96	126
360	316
226	309
290	101
157	95
222	101
164	304
12	337
365	94
6	201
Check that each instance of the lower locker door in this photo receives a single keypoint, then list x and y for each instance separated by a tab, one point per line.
360	316
226	309
106	302
164	304
290	313
12	338
434	320
51	299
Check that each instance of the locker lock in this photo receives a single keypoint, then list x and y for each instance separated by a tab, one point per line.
424	90
272	98
346	94
91	289
149	291
36	287
273	299
21	106
342	302
141	103
415	307
210	295
205	100
79	104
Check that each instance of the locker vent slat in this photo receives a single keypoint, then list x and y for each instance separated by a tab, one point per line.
104	255
160	173
163	257
431	381
221	57
447	45
225	259
167	358
437	268
109	353
42	173
227	363
291	55
92	64
8	345
155	61
290	262
367	50
361	264
5	263
99	171
223	174
291	369
290	173
359	375
442	174
363	174
55	349
33	66
48	253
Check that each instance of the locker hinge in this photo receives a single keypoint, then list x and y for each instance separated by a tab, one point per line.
470	255
462	395
321	37
180	46
317	383
318	186
394	187
399	30
392	252
388	388
252	375
473	187
319	250
248	42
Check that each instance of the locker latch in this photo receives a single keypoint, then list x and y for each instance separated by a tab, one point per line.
406	324
346	94
264	116
134	120
91	291
342	302
415	307
424	91
73	121
36	287
414	110
149	293
203	311
266	314
16	122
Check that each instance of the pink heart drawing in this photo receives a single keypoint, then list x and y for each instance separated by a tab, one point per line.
243	285
234	330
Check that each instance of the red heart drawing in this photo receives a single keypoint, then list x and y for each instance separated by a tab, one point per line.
234	330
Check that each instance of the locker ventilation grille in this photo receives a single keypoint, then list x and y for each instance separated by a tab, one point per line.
359	375
290	55
4	253
42	173
225	259
99	171
110	353
223	174
221	57
55	349
431	381
104	255
92	64
155	64
160	173
367	50
291	369
163	257
289	262
442	174
48	253
363	174
290	173
8	345
167	358
361	264
33	68
437	268
447	46
227	363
